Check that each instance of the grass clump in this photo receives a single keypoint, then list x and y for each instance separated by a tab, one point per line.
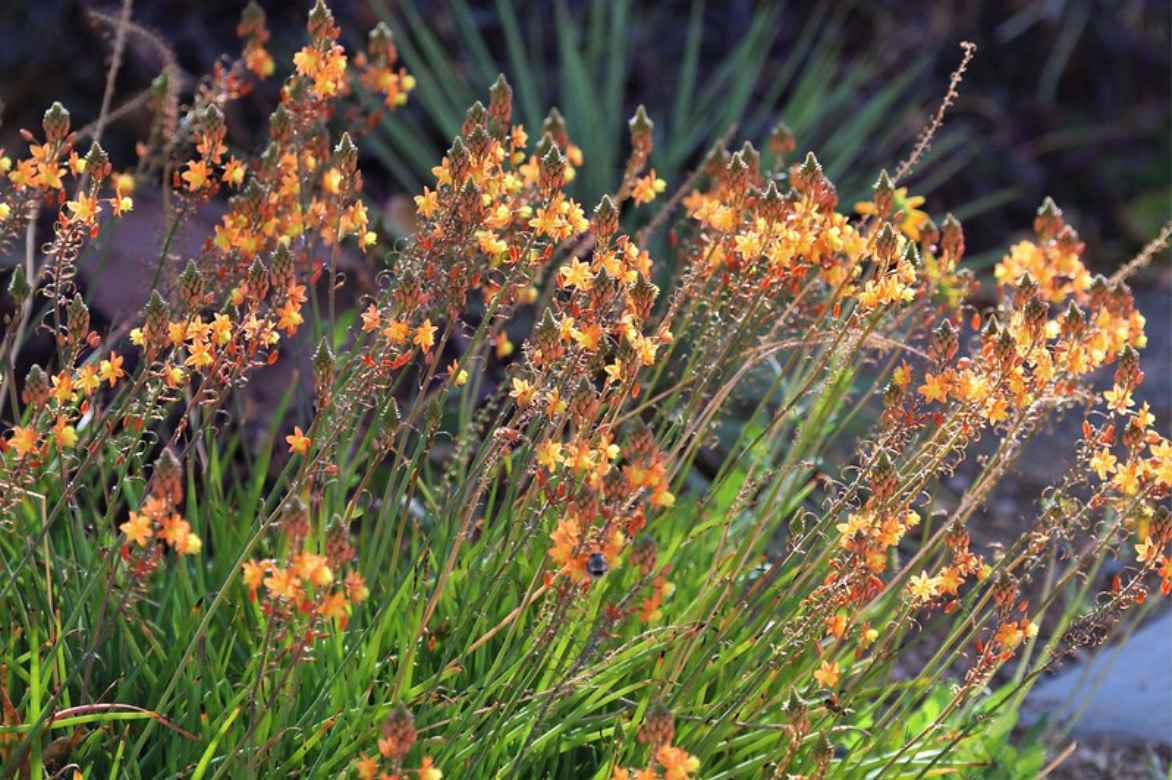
560	507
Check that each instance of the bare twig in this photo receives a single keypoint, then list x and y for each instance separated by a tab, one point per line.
120	29
929	132
1156	245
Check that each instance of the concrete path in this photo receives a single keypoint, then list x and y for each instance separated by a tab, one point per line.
1129	688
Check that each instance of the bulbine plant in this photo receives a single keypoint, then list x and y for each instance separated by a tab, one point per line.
560	508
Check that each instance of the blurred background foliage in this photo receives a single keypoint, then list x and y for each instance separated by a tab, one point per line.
1066	97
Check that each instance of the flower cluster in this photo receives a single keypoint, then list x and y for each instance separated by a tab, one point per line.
658	733
304	590
398	736
158	521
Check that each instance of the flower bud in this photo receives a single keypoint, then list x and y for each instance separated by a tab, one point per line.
952	238
398	733
293	521
321	21
1073	322
18	287
77	318
380	44
781	141
1048	221
282	266
555	126
605	220
346	154
500	102
252	20
553	171
56	123
945	342
886	242
191	286
323	371
641	128
155	319
97	162
884	194
658	726
167	479
36	387
474	117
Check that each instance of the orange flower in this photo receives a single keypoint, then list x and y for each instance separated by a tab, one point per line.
137	529
827	674
111	369
425	336
24	440
367	767
254	573
197	175
647	187
676	762
298	441
935	388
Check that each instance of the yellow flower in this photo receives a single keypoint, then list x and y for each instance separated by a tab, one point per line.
523	392
331	181
1103	463
907	212
647	187
427	203
923	588
111	370
427	770
549	454
137	529
1119	399
577	274
504	347
459	375
65	435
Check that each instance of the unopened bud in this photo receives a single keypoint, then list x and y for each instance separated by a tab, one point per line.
56	123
